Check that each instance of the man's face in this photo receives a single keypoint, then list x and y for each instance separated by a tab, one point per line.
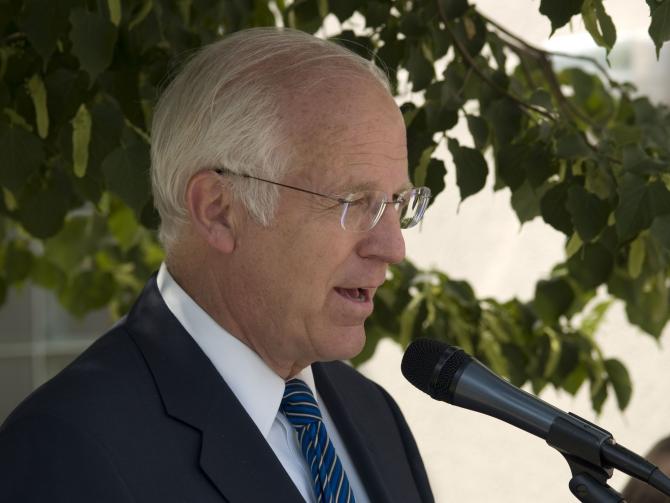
304	284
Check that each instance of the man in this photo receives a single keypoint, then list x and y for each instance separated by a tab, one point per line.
279	168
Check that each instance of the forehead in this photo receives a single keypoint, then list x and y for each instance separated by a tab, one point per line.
351	136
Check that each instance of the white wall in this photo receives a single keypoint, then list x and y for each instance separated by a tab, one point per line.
474	458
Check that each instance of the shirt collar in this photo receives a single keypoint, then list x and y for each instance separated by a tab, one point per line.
258	388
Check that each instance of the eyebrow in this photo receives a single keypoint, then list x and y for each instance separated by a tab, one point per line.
359	187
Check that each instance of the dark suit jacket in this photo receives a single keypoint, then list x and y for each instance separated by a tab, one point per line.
143	416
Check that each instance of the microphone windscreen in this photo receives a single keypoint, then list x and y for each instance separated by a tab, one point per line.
431	366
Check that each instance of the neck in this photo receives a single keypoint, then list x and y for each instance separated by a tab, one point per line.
217	294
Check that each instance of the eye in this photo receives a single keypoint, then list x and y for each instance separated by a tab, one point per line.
360	199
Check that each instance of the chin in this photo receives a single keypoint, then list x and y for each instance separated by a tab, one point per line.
349	343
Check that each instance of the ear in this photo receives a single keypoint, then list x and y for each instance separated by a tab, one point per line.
210	208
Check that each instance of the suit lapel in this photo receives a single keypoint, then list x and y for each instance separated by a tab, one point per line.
356	443
234	454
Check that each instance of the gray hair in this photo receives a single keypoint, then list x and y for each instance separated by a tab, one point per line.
223	110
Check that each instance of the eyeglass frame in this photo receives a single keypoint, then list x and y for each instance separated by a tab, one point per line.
338	199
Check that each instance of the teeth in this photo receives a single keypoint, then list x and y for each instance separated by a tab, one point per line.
357	294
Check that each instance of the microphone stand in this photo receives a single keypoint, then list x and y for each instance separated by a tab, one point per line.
589	482
580	442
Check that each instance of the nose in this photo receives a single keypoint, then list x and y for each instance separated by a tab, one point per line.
385	241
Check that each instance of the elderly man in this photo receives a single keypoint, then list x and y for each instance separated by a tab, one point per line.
279	168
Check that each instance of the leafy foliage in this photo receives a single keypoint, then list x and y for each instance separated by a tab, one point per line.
573	147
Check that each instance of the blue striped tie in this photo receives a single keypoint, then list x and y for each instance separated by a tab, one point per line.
330	481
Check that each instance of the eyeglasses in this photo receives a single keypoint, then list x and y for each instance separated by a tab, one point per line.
361	211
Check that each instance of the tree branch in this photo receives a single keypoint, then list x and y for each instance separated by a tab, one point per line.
543	52
471	62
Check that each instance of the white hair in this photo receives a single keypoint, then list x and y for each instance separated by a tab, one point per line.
223	110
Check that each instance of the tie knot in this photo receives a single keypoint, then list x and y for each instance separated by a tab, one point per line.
299	405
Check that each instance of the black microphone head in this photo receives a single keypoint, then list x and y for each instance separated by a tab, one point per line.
432	365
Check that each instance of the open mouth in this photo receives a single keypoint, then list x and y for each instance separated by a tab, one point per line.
354	294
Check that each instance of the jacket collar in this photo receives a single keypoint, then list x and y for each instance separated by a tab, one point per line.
234	454
356	443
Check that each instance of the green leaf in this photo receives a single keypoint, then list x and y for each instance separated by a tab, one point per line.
660	230
620	381
344	9
639	162
560	12
479	131
659	29
573	245
305	15
80	230
18	262
451	89
88	290
542	98
598	393
589	213
453	8
46	274
16	119
592	320
572	146
504	116
634	212
43	205
575	379
471	30
421	71
126	172
38	94
106	129
659	197
93	39
553	298
591	266
509	164
81	137
44	21
435	173
439	118
376	13
648	307
411	25
526	202
599	24
636	257
123	226
388	56
599	181
471	168
142	13
114	7
553	207
440	42
21	155
66	90
262	15
408	319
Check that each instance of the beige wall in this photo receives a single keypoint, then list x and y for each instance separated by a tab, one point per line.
474	458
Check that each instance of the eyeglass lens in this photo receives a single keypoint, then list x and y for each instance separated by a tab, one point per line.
363	210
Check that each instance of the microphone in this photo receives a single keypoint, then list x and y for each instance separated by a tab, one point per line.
449	374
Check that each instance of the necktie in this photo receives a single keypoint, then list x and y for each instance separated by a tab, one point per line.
330	481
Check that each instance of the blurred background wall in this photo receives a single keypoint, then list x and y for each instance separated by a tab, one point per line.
469	457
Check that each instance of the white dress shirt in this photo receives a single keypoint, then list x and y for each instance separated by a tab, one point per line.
258	388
